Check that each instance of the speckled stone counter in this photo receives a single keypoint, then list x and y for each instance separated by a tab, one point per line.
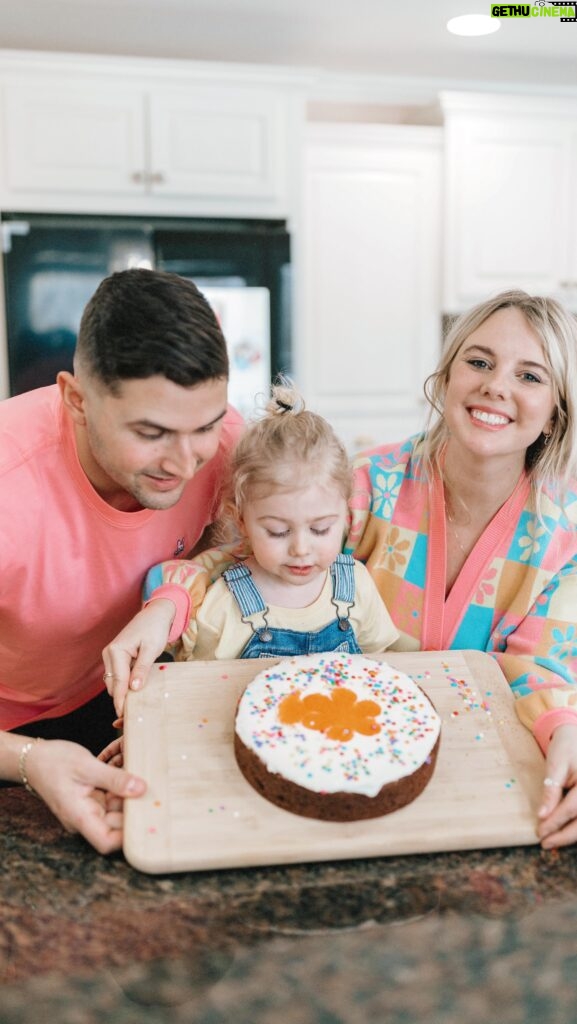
469	938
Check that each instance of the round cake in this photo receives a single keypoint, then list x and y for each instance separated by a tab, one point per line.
336	736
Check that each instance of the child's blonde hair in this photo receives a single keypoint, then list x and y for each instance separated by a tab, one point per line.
287	448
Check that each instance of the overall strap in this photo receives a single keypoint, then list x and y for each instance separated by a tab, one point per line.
343	580
343	577
249	599
241	585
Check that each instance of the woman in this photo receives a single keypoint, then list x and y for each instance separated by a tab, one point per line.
470	530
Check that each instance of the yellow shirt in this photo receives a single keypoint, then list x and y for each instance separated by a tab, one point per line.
219	632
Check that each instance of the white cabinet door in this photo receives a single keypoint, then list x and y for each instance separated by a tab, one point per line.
173	142
569	281
511	219
73	136
212	141
371	258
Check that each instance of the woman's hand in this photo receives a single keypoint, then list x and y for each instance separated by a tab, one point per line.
129	657
86	795
558	812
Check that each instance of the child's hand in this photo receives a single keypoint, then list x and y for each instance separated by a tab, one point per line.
558	812
129	657
113	753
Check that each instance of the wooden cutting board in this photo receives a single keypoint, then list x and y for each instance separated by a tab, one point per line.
199	812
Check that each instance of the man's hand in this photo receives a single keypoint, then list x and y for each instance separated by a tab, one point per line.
86	795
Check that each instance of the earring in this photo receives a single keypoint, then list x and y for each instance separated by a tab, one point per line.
547	438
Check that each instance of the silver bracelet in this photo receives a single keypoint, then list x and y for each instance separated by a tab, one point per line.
22	765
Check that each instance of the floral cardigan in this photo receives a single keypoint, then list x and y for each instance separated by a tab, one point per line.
515	597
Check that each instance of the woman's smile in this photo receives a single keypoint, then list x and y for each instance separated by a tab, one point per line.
487	418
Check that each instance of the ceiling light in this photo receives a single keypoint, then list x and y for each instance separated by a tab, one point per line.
473	25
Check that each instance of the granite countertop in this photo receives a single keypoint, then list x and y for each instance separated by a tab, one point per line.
455	938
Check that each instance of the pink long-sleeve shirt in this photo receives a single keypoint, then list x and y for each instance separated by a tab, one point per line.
72	567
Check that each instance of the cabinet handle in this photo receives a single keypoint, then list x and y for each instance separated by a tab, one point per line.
137	177
157	178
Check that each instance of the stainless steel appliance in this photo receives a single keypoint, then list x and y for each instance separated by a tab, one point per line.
53	263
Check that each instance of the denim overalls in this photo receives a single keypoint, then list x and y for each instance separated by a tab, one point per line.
265	642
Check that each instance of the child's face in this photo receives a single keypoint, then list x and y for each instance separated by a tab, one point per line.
296	534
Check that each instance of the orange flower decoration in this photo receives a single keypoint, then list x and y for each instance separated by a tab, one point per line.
393	548
339	716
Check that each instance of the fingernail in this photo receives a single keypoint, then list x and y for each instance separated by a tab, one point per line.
131	785
136	684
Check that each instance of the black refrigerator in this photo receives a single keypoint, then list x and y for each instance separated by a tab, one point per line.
53	264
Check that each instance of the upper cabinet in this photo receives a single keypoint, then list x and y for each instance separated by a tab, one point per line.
370	287
76	136
188	142
510	197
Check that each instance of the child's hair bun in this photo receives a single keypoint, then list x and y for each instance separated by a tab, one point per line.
284	398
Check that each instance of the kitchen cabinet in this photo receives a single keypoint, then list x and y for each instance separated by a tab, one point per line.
370	272
73	136
115	138
510	199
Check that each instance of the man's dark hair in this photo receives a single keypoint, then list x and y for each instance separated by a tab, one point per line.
140	323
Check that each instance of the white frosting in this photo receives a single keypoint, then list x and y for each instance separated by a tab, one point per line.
401	734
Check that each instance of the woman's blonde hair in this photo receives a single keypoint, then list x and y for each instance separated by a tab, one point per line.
551	460
286	448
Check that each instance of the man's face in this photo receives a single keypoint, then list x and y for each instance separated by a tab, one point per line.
141	446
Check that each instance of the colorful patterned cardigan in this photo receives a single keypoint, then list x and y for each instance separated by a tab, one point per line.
515	597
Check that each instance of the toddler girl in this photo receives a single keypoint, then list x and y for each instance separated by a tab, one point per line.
295	593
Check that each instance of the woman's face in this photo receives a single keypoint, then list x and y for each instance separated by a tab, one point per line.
499	395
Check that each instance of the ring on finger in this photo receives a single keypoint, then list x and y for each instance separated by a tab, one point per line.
107	675
552	782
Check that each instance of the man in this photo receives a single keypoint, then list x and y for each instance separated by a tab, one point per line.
114	468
